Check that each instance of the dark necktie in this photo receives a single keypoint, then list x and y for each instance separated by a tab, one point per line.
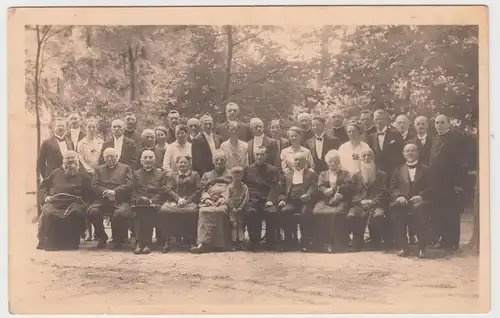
413	166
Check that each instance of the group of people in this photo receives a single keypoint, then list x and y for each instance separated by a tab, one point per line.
205	186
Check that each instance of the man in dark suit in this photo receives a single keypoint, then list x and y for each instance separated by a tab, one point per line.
300	187
366	121
131	128
402	123
338	131
260	139
125	147
422	139
173	119
75	133
112	184
304	120
53	149
386	143
281	143
193	125
204	145
232	115
411	192
370	202
263	182
448	171
321	143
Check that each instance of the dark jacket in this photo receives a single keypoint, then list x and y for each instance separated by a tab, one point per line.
150	184
118	179
329	143
391	154
202	155
424	151
400	185
310	184
376	191
50	157
344	184
263	181
129	151
269	144
244	133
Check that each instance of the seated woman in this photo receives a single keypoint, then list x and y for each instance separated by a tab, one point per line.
336	188
66	192
213	220
179	215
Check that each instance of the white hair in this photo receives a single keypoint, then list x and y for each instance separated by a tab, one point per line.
147	131
256	121
118	121
149	152
110	151
331	154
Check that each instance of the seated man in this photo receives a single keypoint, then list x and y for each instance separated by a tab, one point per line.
262	180
370	202
65	191
149	190
410	191
112	183
301	186
336	187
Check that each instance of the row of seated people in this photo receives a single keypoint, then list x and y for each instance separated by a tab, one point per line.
214	210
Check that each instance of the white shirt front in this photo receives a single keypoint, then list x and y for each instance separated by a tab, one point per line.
404	135
74	136
319	145
172	152
118	144
298	176
346	152
258	141
412	171
422	139
210	140
63	147
332	176
381	137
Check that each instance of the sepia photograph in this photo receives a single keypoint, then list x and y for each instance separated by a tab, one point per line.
263	160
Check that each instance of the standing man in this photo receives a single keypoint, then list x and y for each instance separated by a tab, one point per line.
75	133
131	128
112	183
281	143
339	131
410	194
261	140
304	120
402	124
448	174
262	180
321	143
125	147
366	121
193	125
148	141
386	143
232	115
422	139
173	119
204	145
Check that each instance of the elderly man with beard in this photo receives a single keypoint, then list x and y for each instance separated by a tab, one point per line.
300	187
410	191
261	140
370	202
131	128
263	182
330	212
149	191
305	124
112	183
66	193
232	115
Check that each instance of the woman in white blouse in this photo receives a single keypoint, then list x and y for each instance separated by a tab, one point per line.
180	147
236	150
336	187
287	154
350	152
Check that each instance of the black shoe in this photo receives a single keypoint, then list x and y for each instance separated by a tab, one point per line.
102	243
166	247
146	250
138	250
422	254
40	246
403	253
200	249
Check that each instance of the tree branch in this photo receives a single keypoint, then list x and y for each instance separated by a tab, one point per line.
45	33
249	37
45	61
254	82
56	33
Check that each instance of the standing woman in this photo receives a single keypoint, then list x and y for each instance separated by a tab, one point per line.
161	133
288	154
236	150
89	151
350	152
180	147
213	221
179	215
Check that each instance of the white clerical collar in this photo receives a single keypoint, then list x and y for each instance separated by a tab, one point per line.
148	169
424	136
412	164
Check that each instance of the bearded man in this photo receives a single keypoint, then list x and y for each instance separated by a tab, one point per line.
149	191
112	183
370	202
65	193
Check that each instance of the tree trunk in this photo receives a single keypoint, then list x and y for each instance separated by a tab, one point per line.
230	45
133	73
323	68
37	113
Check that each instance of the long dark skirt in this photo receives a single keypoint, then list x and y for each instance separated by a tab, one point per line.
61	227
213	227
330	224
179	222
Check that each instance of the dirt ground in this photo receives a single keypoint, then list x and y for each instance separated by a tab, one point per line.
97	282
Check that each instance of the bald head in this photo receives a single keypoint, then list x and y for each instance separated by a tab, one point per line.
70	162
148	159
148	138
299	160
110	156
117	127
421	124
410	152
402	123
